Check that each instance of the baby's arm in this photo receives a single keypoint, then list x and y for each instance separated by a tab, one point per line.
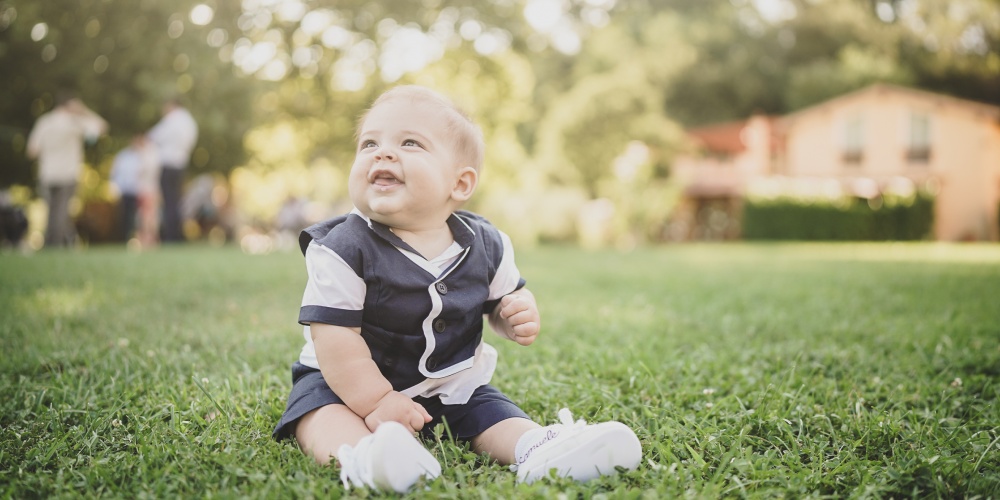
347	366
516	317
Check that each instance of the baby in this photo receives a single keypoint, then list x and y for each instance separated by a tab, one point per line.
393	317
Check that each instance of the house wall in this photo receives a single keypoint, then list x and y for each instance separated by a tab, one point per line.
964	165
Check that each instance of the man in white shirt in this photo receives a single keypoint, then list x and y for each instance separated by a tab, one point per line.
175	136
57	141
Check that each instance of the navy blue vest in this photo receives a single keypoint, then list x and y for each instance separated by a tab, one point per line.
405	307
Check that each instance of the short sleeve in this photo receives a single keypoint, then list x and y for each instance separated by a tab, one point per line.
334	293
507	278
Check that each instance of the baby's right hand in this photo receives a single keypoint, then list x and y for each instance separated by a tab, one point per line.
397	407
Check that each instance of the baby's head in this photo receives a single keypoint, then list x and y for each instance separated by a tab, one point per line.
418	158
466	136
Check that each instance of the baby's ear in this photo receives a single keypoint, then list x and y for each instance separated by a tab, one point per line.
465	184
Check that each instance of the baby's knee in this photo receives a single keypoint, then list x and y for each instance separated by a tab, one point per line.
321	432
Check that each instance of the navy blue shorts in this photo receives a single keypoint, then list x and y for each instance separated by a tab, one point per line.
486	407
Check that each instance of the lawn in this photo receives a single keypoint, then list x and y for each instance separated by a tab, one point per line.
771	370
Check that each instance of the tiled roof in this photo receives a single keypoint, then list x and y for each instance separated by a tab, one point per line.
721	138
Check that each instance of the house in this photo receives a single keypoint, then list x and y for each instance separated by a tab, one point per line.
878	139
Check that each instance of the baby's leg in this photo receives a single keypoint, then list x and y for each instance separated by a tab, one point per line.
499	440
391	458
321	432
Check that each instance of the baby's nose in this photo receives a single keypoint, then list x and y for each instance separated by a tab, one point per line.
384	153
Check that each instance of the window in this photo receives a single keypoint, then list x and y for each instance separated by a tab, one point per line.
853	140
918	148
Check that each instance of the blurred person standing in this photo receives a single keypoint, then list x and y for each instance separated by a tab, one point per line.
125	176
136	172
57	141
149	193
174	136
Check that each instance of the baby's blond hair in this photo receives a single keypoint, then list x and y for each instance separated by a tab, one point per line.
469	144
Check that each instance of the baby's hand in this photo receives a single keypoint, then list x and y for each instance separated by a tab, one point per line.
396	407
521	315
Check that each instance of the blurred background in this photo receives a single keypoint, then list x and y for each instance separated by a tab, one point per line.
608	122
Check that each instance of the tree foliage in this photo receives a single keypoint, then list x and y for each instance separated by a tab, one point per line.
561	88
754	60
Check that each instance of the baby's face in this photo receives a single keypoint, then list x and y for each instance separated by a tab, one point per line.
406	167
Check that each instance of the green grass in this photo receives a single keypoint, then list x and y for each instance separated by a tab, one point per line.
781	370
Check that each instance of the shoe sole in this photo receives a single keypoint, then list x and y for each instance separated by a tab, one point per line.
614	446
399	460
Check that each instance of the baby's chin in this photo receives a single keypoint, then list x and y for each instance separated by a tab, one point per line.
378	210
389	218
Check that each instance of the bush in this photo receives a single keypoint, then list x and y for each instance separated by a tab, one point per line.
886	218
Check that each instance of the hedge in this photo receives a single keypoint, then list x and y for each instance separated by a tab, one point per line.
888	218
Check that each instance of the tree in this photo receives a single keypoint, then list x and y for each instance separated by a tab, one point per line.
952	47
123	58
561	88
752	61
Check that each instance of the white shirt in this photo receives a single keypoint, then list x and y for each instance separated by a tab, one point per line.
125	171
175	136
57	140
136	170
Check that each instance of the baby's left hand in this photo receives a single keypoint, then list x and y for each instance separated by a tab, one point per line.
519	312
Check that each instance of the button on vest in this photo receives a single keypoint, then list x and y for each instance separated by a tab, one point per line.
441	287
439	325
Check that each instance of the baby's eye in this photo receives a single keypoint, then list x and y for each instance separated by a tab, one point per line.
368	144
411	142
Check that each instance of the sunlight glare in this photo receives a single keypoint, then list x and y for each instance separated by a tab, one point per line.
49	52
302	56
543	15
775	11
291	10
348	75
549	18
973	39
217	37
885	12
256	57
487	44
408	49
470	29
565	39
39	31
201	14
597	18
315	21
274	70
256	244
336	37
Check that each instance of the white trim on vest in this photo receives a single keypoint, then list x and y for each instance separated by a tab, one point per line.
428	328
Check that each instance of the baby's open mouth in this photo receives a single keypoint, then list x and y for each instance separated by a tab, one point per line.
384	179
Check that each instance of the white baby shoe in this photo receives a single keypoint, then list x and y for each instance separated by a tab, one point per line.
576	450
389	459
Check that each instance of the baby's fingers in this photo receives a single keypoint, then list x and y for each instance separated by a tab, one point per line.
511	305
416	422
522	317
418	417
525	333
422	412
